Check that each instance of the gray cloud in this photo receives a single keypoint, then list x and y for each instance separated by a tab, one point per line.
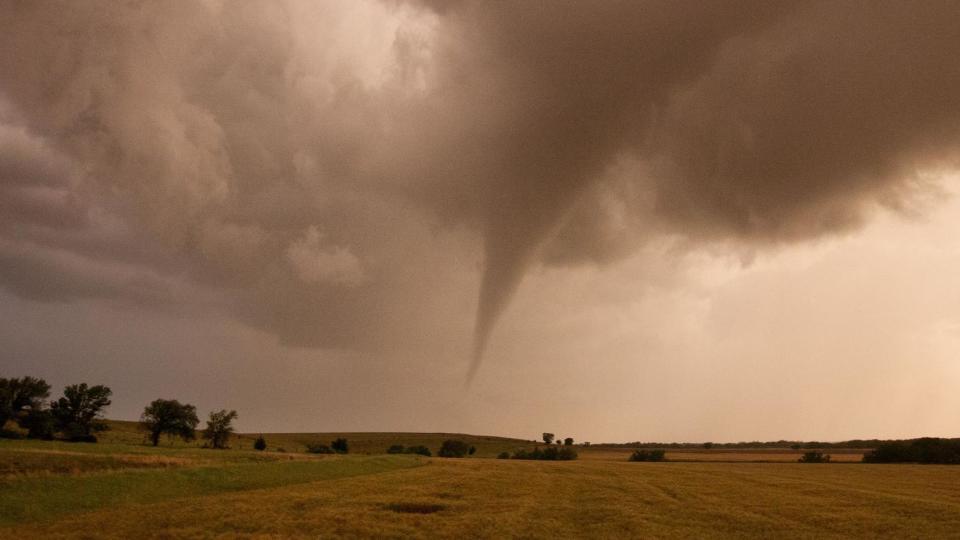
329	170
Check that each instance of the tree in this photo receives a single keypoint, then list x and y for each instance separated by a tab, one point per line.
260	443
19	394
169	416
219	428
454	448
340	446
707	445
568	441
472	450
78	413
40	424
548	438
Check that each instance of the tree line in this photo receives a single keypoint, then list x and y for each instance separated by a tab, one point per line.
78	415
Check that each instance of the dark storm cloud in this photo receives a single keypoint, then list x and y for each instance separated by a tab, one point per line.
306	159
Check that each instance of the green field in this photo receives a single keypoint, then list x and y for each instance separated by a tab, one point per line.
122	488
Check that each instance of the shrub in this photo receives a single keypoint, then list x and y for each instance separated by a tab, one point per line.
319	449
648	455
814	457
83	438
550	453
260	443
340	446
453	448
503	455
472	450
399	449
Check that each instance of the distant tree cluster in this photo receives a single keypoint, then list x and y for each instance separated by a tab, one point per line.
640	454
550	453
75	417
814	456
924	450
337	446
400	449
78	414
453	448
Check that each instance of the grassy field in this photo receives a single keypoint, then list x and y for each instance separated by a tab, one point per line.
122	488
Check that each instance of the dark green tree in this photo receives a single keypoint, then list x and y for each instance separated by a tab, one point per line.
21	394
548	438
219	428
568	441
39	424
79	412
260	443
453	448
170	417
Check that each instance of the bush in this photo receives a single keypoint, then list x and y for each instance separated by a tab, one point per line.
453	448
472	450
814	457
340	446
319	449
648	455
550	453
260	443
399	449
503	455
83	438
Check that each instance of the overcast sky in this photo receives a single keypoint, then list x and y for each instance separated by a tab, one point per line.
613	221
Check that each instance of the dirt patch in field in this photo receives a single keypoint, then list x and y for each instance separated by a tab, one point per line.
415	507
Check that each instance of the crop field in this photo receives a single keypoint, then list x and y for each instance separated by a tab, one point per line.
124	489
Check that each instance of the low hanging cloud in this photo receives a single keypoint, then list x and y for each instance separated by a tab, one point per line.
324	170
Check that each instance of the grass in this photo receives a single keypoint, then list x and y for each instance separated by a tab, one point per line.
122	488
491	498
43	499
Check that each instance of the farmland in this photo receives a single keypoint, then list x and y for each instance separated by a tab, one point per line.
123	488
